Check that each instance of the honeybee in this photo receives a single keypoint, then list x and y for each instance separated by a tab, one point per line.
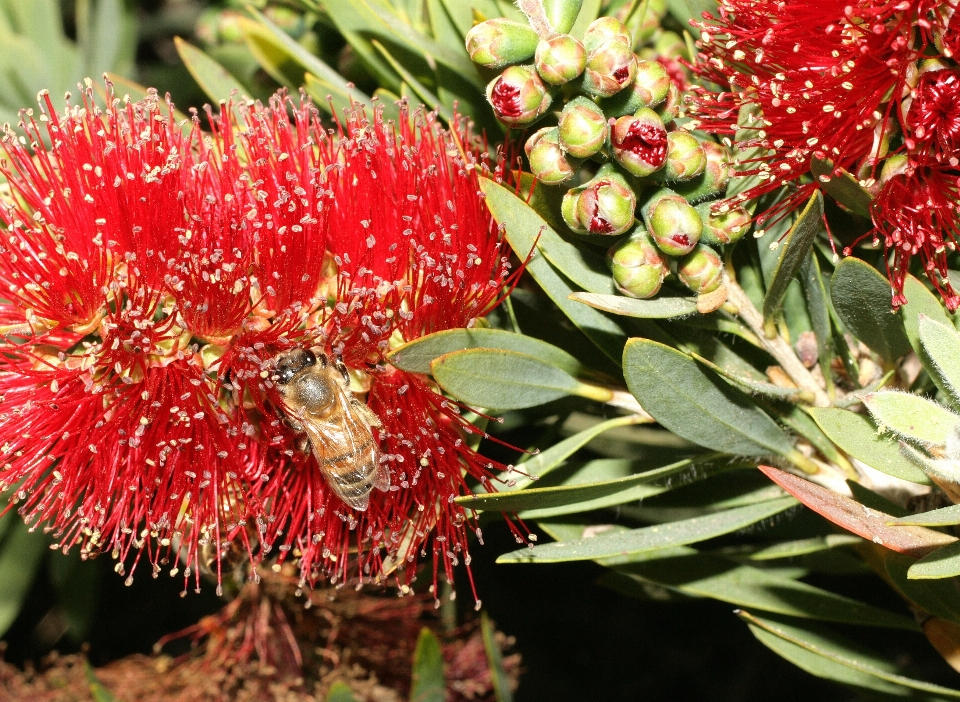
319	403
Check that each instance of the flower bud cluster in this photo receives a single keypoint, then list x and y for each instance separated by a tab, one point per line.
629	169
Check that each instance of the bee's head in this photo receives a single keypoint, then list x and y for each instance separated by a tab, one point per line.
289	363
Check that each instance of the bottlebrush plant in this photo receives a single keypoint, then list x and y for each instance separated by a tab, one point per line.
673	206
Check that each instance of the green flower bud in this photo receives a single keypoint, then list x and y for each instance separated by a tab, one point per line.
560	59
604	29
499	42
648	89
670	108
561	14
672	222
637	265
583	127
893	166
701	270
670	44
640	142
547	159
610	67
713	180
725	226
685	157
605	205
518	96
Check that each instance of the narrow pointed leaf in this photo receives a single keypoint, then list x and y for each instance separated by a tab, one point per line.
942	345
859	437
920	301
942	563
652	538
340	692
836	659
657	308
946	516
750	384
794	250
429	682
20	556
802	547
501	379
704	575
216	81
416	356
843	188
498	676
912	417
815	292
937	597
862	298
851	515
696	405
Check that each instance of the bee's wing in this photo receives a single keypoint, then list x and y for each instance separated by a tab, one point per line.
347	453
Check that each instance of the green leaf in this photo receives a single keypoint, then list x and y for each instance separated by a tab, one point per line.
836	659
815	292
938	597
751	384
417	355
215	80
920	301
108	39
429	683
912	417
705	575
657	308
542	463
98	690
863	521
20	556
794	249
423	94
503	380
74	583
696	405
498	676
942	346
843	188
340	692
946	516
942	563
862	299
652	538
589	11
601	330
802	547
860	438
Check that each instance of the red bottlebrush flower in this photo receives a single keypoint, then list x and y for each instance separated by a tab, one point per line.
154	273
832	82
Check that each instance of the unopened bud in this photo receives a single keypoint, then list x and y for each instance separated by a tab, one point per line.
894	166
713	180
605	205
685	158
583	127
518	96
561	15
672	222
701	270
637	265
648	89
610	68
499	42
604	29
724	224
560	59
547	159
640	142
670	108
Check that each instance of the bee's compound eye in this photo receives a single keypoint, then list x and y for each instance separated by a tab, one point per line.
292	362
309	359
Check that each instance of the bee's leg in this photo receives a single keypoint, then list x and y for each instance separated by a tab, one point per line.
321	356
295	425
303	444
341	366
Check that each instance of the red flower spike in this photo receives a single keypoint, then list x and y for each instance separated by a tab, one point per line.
161	271
828	81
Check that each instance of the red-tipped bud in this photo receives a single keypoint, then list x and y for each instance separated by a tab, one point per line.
701	270
648	89
672	222
685	157
560	59
640	142
713	180
583	127
605	29
605	205
499	42
670	108
610	67
518	96
547	159
637	265
726	225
